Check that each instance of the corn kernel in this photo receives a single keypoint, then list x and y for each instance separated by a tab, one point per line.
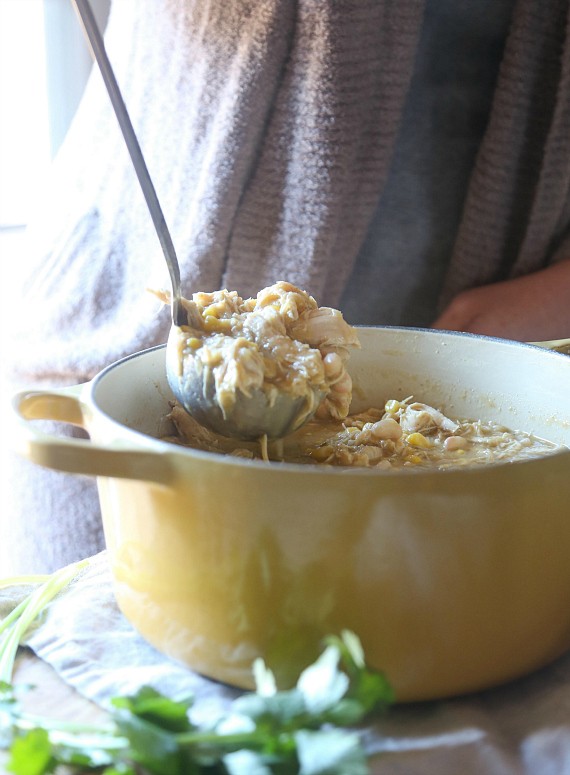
415	459
418	440
215	309
193	343
392	406
321	453
214	325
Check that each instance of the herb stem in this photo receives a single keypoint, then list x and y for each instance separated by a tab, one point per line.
22	581
27	612
13	615
29	721
257	738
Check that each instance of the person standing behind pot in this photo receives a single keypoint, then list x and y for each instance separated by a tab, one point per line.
407	162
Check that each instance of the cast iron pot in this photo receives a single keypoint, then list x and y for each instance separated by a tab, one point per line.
454	580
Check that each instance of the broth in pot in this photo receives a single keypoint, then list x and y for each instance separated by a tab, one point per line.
402	434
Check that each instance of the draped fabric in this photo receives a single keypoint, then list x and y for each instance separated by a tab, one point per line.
268	128
516	217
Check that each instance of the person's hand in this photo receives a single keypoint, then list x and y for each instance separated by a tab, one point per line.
532	308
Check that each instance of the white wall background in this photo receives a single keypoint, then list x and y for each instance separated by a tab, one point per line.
44	65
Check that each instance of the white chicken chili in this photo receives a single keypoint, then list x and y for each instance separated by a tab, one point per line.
281	341
402	434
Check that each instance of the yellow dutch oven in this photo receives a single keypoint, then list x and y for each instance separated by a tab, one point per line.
454	580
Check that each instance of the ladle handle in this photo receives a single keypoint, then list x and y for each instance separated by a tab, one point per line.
99	53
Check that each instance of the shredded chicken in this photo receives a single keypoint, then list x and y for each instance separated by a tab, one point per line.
279	341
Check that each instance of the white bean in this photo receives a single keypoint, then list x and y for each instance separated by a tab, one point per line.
387	429
455	442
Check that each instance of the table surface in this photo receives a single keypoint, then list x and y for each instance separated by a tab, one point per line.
50	696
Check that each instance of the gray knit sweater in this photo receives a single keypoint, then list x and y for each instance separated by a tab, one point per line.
269	128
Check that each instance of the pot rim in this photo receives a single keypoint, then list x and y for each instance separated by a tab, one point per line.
170	448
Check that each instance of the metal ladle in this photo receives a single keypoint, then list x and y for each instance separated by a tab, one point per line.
251	416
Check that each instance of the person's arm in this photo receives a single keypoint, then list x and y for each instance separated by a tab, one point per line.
534	307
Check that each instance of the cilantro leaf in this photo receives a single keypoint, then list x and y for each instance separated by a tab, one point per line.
330	752
31	754
150	705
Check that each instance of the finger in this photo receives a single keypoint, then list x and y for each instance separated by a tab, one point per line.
453	319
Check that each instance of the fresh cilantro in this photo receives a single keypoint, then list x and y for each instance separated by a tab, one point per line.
306	730
32	754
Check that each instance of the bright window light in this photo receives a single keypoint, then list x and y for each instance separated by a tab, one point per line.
24	130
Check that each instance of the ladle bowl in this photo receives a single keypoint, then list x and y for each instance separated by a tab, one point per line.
253	415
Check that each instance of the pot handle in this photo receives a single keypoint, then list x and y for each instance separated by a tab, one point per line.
558	345
78	456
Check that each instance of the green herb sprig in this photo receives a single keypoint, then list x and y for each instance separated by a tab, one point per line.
307	730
